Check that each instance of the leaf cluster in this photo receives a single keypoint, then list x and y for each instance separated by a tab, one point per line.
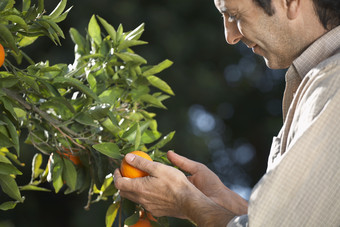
85	116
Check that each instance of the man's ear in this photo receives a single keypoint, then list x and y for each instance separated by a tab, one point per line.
293	8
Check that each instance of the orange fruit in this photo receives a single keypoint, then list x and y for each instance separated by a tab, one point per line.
129	171
2	55
75	159
149	216
71	156
144	221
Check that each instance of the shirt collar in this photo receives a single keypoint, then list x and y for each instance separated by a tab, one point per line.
318	51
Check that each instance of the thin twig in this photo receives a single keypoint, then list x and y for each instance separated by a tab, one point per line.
69	137
89	197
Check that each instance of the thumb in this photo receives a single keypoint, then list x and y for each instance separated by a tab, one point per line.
183	163
141	163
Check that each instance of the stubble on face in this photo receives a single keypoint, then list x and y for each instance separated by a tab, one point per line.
276	40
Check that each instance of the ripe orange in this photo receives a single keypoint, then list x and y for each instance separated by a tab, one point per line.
2	55
144	221
71	156
129	171
149	216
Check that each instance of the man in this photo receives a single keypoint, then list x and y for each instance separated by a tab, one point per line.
302	183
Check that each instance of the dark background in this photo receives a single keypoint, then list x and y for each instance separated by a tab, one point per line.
225	112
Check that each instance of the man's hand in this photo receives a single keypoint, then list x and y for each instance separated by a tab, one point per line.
168	192
209	183
162	192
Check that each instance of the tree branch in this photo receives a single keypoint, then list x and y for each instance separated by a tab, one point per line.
43	114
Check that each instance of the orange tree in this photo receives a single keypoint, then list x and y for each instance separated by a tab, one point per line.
83	116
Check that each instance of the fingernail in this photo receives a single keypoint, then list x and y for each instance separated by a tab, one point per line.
129	157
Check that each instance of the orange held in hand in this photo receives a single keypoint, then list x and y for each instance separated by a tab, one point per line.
2	55
129	171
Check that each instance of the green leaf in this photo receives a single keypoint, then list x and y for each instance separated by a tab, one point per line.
109	188
30	81
111	95
150	136
111	214
26	41
111	124
119	34
70	174
85	119
8	169
77	84
5	141
58	103
131	133
132	219
158	68
161	84
156	224
100	111
56	28
136	33
108	149
10	187
6	35
152	100
78	39
33	188
8	106
36	163
4	159
16	19
57	170
6	4
14	159
40	6
109	29
62	16
166	139
138	137
8	205
8	82
94	30
12	132
58	9
26	4
129	43
130	57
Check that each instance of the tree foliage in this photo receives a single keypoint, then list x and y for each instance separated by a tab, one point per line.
84	116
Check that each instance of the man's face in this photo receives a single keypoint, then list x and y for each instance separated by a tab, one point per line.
268	36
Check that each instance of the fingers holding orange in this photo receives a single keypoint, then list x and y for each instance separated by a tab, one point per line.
131	172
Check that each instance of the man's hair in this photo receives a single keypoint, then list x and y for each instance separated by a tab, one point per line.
328	11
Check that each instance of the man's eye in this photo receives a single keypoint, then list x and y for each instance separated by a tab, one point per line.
231	18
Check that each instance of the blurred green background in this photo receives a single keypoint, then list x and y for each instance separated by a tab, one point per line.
225	112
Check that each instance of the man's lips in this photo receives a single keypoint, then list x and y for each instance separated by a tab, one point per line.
253	46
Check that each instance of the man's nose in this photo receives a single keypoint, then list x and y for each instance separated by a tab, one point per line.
232	32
